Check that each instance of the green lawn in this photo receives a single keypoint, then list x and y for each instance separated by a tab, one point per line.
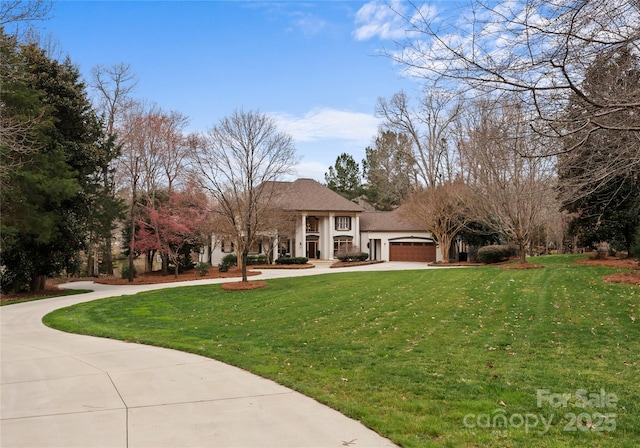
426	358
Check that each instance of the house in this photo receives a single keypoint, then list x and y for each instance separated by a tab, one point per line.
325	223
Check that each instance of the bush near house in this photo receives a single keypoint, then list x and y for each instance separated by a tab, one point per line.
292	260
227	262
496	253
257	259
353	256
124	271
203	268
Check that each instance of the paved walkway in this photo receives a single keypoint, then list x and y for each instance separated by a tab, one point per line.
65	390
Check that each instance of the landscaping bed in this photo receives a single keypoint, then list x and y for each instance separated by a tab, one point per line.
629	278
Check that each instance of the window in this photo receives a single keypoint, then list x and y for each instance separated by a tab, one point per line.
226	248
312	224
343	222
342	244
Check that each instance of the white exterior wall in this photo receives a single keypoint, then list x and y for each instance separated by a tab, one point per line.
381	242
326	233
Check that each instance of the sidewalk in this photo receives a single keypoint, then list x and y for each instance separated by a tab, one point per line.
65	390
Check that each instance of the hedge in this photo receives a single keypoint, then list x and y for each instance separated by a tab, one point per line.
353	256
496	253
292	260
256	259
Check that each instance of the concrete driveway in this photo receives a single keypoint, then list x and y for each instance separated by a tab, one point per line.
65	390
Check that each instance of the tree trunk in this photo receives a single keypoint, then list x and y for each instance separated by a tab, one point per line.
165	264
522	244
38	282
90	265
133	232
108	259
445	247
245	253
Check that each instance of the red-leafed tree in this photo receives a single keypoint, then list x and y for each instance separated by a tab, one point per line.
172	222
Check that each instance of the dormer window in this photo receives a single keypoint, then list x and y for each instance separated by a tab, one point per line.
343	222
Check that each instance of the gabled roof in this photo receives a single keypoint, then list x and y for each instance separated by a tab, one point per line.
310	195
394	221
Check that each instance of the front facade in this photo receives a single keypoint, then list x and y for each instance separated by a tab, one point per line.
325	223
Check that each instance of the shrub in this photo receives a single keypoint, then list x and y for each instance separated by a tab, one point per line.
124	271
635	245
601	254
348	257
203	268
292	260
256	259
495	253
227	262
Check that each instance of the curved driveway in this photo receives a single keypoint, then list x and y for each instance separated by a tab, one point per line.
66	390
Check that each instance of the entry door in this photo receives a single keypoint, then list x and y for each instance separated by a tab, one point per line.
312	247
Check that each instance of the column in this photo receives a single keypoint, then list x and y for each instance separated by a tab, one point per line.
332	226
301	250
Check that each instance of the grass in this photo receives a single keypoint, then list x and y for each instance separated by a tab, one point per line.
426	358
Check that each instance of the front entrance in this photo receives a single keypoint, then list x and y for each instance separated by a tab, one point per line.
312	249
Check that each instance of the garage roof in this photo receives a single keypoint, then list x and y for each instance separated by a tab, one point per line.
393	221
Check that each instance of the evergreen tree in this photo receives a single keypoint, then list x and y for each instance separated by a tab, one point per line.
51	188
597	183
387	170
345	177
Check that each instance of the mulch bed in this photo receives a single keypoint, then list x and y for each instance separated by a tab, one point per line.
51	289
243	286
628	278
281	266
623	263
347	264
157	277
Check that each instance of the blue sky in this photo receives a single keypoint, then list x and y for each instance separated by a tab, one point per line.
314	66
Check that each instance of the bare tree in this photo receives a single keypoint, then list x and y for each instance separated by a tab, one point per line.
536	47
542	51
113	86
23	11
153	144
429	128
442	210
510	190
241	157
129	169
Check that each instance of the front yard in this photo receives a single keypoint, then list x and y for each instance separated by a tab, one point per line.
459	357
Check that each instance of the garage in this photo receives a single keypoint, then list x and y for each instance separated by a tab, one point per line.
412	251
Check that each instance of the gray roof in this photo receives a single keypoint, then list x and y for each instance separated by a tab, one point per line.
310	195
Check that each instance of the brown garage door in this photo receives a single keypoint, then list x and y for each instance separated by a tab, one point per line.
412	251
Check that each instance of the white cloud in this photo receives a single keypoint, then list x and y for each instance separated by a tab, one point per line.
387	20
309	24
378	18
327	123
